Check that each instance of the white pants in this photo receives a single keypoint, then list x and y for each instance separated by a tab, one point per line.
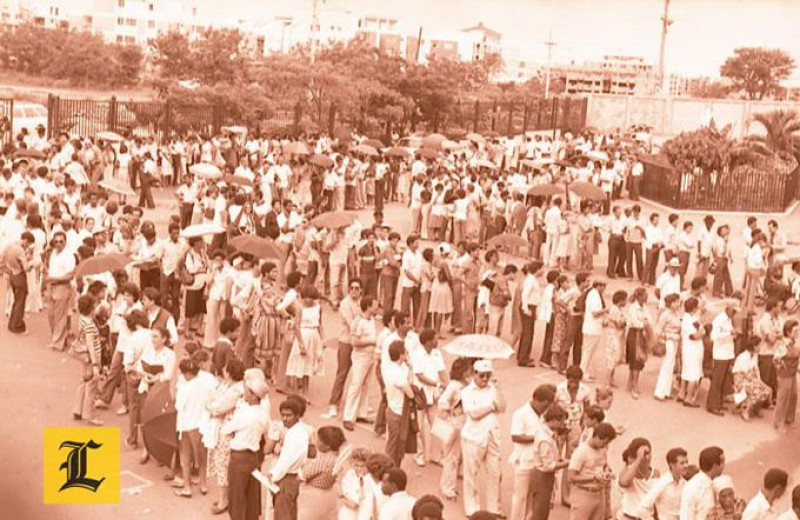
664	383
356	398
476	457
520	501
590	343
496	315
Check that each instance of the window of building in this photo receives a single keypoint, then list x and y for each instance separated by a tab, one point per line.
121	4
132	22
119	38
120	21
150	7
151	24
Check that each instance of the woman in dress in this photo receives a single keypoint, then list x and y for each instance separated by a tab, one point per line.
668	331
156	364
306	356
426	282
450	410
750	392
614	324
217	295
441	297
195	266
787	356
355	495
755	270
565	238
636	339
220	409
563	297
268	322
691	354
319	474
123	163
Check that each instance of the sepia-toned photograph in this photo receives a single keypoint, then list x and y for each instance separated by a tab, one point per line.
399	260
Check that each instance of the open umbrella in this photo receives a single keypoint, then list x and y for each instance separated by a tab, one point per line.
201	230
398	152
118	187
297	148
321	160
597	155
238	180
450	145
566	164
334	219
235	129
485	163
375	143
475	138
587	190
434	141
482	346
258	247
102	264
206	171
545	190
507	240
365	149
428	153
29	153
109	136
158	423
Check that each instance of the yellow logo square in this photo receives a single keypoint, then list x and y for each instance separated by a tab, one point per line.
81	465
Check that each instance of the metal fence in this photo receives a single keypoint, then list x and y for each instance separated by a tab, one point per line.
6	121
739	190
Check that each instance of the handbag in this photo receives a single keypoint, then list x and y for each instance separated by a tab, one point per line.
442	430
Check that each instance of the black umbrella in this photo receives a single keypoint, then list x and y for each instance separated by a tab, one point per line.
158	423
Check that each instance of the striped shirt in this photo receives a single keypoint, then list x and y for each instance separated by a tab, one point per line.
88	339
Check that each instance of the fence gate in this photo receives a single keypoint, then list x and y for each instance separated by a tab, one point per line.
6	121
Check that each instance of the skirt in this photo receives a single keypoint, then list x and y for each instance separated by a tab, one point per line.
195	303
559	330
219	458
635	354
691	361
755	389
268	333
441	300
311	363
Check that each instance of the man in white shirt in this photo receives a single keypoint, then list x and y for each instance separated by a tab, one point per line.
722	336
410	277
637	171
248	424
171	250
60	270
525	422
529	301
793	513
429	370
669	282
482	401
552	223
397	379
285	471
617	224
697	498
705	246
760	506
664	495
592	327
399	504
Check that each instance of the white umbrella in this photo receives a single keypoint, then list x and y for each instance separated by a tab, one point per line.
205	170
109	136
481	346
201	230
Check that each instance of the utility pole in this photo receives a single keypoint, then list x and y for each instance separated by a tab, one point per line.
549	44
665	23
419	46
314	28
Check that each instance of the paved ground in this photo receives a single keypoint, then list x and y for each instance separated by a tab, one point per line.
37	388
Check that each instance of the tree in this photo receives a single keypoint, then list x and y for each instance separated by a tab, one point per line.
781	137
173	56
711	90
757	71
217	58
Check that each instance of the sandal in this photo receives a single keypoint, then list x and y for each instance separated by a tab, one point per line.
183	492
203	490
216	509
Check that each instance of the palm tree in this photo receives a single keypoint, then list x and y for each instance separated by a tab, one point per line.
781	138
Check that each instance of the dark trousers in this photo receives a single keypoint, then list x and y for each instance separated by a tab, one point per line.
540	494
634	249
389	289
19	288
380	419
651	264
285	502
114	379
343	363
633	192
146	196
394	448
150	278
574	341
720	374
379	195
547	346
722	283
616	256
408	297
766	368
244	491
369	283
186	211
526	337
171	295
135	170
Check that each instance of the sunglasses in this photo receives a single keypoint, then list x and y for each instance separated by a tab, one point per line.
56	242
355	288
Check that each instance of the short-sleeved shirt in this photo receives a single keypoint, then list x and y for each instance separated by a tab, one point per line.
474	398
527	422
588	462
429	364
593	325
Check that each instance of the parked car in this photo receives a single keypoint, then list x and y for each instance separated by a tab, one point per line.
28	115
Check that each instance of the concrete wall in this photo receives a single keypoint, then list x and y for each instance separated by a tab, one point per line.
669	116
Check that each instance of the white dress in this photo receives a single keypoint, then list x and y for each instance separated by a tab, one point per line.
311	363
691	350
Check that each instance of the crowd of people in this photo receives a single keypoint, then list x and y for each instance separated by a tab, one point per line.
227	331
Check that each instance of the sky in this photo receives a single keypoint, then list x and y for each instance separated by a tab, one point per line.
703	33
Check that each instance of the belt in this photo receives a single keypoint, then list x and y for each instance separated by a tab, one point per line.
588	489
61	282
